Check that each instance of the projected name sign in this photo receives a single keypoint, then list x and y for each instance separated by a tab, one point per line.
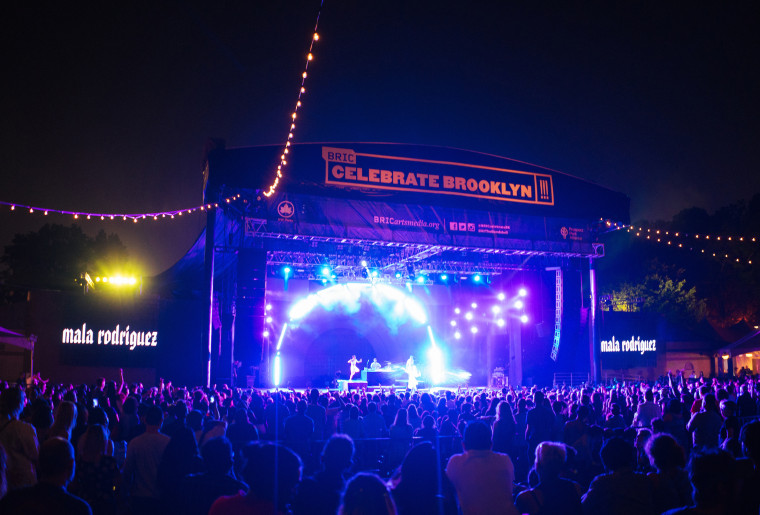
634	345
117	337
348	168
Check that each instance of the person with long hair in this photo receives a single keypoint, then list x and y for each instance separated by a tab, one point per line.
422	487
354	369
97	477
504	430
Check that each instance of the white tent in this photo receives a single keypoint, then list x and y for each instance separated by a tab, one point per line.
15	339
19	340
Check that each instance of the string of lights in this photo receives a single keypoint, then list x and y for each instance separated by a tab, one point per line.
301	91
667	240
683	235
688	241
134	217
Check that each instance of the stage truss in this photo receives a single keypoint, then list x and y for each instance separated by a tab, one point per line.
354	259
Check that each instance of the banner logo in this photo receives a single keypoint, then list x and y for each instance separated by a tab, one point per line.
344	167
286	209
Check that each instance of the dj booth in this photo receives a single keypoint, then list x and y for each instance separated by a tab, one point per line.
379	377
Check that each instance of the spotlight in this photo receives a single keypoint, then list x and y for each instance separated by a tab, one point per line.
269	307
495	310
286	271
501	296
398	275
473	330
325	270
474	305
519	304
266	334
420	279
269	320
523	292
457	310
453	323
524	319
444	277
468	316
500	322
457	335
364	262
476	278
374	273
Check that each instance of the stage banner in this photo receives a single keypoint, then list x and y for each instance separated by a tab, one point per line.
346	167
419	175
348	218
630	340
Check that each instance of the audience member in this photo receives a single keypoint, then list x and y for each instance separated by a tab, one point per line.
144	455
671	488
422	487
621	490
272	473
366	494
19	440
320	494
49	496
97	475
712	473
482	478
553	494
199	491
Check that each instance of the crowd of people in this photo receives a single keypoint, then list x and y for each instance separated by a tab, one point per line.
671	447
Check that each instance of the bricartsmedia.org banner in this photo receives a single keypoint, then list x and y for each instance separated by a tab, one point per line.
345	167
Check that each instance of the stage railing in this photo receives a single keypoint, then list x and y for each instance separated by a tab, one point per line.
570	379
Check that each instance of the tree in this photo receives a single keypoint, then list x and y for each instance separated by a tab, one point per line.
55	256
659	292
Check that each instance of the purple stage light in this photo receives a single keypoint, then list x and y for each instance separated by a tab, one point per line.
500	322
453	323
457	335
457	310
519	304
495	310
524	319
468	316
501	296
523	292
474	305
473	329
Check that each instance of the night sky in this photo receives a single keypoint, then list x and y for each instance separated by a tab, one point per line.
107	106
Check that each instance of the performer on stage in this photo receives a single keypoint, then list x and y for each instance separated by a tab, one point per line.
412	372
354	369
375	365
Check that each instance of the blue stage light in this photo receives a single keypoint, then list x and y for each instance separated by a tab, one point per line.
476	278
